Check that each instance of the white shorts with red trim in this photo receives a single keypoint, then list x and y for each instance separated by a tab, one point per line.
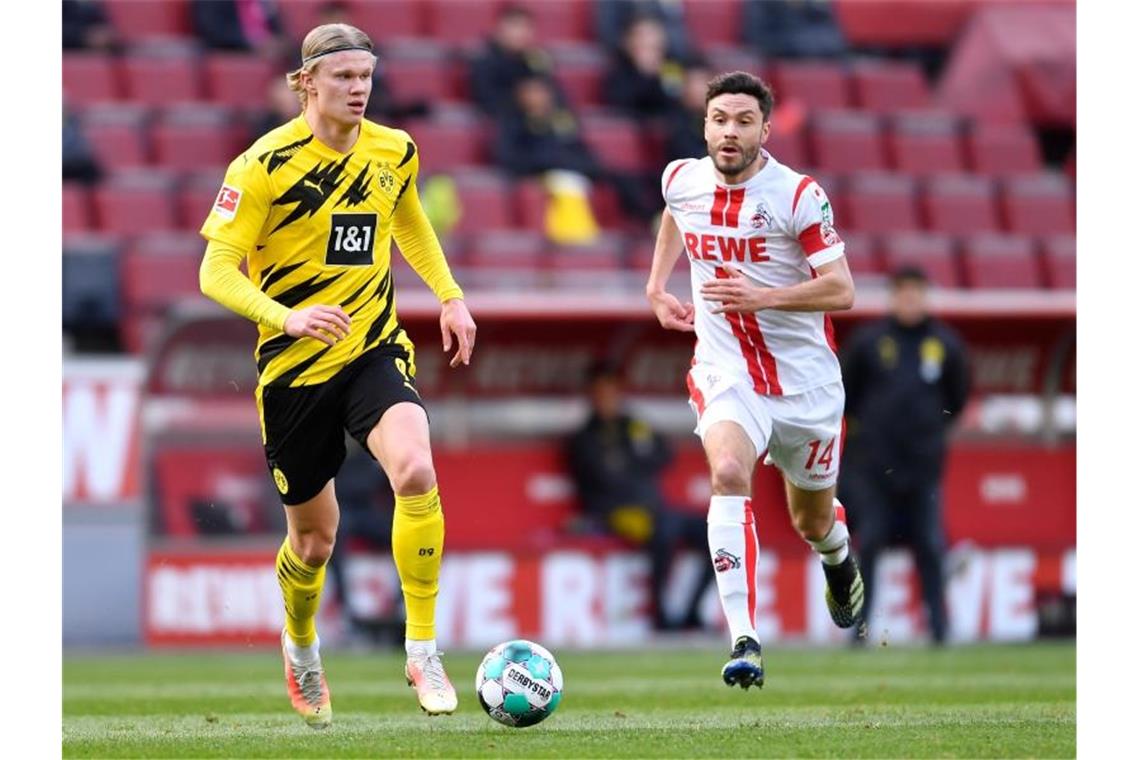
801	434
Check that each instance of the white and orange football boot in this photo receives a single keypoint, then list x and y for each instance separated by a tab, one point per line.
426	675
308	690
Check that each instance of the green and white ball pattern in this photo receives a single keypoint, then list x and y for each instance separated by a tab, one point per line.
519	683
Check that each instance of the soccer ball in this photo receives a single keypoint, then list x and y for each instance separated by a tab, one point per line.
519	683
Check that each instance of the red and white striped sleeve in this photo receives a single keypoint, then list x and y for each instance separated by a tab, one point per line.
813	222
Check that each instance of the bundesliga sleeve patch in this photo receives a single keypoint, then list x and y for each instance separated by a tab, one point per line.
226	205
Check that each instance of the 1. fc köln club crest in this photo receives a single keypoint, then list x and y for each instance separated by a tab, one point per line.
761	217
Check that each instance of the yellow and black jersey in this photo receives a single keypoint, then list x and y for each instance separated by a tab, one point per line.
317	227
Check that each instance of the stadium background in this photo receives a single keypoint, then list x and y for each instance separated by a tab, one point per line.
944	135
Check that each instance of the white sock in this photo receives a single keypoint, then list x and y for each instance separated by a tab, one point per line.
733	547
419	648
303	655
832	548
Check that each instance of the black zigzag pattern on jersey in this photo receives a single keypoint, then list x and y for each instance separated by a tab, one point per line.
408	153
400	194
278	157
377	326
358	191
287	377
271	348
303	290
311	191
357	293
271	276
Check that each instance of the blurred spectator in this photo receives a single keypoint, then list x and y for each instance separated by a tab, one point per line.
793	29
906	378
381	105
79	162
617	461
642	79
86	27
509	56
281	105
241	25
686	120
613	17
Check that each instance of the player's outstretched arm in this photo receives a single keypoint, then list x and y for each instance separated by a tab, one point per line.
832	290
669	311
221	279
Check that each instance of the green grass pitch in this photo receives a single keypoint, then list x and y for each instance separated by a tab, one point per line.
976	701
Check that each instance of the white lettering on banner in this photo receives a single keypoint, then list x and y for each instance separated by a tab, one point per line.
373	585
966	597
1069	572
767	612
1013	616
892	617
100	420
569	594
546	487
1003	488
452	591
1004	367
486	614
214	599
625	598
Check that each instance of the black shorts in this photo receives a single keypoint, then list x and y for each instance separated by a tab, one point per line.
304	427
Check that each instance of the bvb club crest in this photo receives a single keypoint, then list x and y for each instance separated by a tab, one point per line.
762	217
386	179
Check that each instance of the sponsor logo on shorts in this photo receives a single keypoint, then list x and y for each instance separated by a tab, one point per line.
280	481
227	203
725	561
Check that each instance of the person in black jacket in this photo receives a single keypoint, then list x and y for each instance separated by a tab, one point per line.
642	80
616	461
685	133
907	379
510	55
240	25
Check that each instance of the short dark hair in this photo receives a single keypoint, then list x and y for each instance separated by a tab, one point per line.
909	273
742	83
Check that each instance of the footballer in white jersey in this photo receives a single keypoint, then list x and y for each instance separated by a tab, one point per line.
767	264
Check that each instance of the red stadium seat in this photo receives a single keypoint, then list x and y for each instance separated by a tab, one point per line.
713	22
530	204
237	79
76	208
862	255
1060	259
733	58
460	21
558	22
887	86
925	143
423	71
135	21
191	136
90	78
506	249
196	197
933	253
387	19
1003	149
879	203
788	147
616	142
816	84
485	200
1000	261
602	255
136	202
447	144
118	133
847	141
1039	205
160	270
580	71
960	205
162	78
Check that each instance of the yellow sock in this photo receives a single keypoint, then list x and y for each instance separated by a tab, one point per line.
301	586
417	547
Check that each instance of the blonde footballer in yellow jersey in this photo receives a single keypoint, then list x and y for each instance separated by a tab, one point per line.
313	207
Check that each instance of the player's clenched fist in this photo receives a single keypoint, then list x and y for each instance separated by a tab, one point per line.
327	324
671	313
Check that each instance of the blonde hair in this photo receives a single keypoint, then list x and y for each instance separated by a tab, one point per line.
324	39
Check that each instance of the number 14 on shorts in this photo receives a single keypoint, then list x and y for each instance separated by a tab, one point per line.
816	456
